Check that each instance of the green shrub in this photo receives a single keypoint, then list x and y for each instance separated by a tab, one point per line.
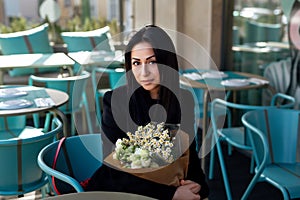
17	24
91	24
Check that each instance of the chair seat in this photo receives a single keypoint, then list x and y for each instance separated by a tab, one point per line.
27	132
287	175
235	136
85	155
23	80
19	170
275	151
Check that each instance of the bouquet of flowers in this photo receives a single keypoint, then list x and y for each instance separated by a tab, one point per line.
150	146
156	152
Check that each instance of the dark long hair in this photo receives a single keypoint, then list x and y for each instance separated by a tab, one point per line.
295	54
165	54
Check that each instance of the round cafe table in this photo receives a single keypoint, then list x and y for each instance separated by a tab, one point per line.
97	195
59	98
211	85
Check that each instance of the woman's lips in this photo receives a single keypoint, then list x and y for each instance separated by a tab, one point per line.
146	82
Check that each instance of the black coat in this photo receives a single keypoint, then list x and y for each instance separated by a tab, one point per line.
121	114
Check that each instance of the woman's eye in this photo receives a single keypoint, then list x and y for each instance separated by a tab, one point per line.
152	62
135	63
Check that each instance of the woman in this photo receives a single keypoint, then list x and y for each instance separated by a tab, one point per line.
152	93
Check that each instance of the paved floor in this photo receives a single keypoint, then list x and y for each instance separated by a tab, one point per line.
239	176
28	196
238	167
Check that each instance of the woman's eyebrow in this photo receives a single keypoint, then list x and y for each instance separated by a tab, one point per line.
146	58
150	57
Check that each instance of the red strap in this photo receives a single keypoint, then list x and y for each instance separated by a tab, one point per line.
28	44
85	183
54	162
93	43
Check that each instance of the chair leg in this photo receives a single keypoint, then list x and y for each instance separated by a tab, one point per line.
36	120
72	124
252	165
212	159
98	108
229	123
88	117
47	122
229	149
252	184
223	170
44	191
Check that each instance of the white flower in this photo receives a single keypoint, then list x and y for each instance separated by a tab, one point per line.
150	140
143	153
146	162
154	165
119	143
136	164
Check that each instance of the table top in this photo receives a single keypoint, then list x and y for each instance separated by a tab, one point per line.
89	58
261	47
215	83
100	195
35	60
59	98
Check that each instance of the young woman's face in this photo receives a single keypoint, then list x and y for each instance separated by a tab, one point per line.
145	68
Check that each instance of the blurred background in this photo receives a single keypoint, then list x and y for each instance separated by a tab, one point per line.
214	24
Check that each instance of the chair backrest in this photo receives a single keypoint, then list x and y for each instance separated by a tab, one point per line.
34	40
281	131
235	35
98	39
116	77
262	32
85	154
11	123
278	73
74	86
221	107
19	170
278	100
283	78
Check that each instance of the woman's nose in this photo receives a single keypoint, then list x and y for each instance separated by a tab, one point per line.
144	70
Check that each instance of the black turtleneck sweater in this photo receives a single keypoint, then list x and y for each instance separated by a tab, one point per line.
124	111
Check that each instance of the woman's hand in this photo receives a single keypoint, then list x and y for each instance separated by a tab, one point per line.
188	190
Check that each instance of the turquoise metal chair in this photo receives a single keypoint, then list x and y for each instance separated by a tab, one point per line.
234	134
75	87
95	40
275	137
85	155
117	77
19	171
98	39
10	126
14	126
34	40
262	32
279	75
